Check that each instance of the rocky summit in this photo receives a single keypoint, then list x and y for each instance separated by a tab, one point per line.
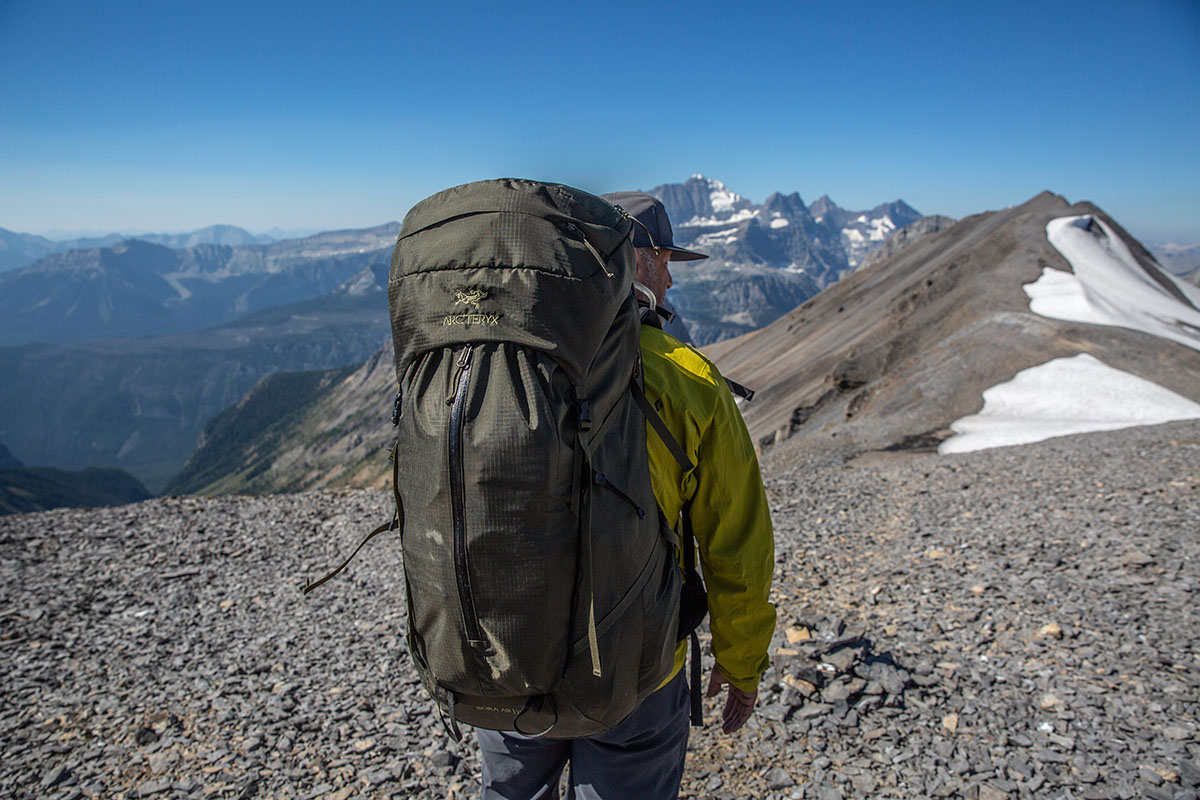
1018	622
763	260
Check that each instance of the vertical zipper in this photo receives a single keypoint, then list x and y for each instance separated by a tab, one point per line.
457	501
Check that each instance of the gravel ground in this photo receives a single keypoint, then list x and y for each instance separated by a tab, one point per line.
1015	623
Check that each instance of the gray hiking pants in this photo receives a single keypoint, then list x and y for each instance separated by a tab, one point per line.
640	759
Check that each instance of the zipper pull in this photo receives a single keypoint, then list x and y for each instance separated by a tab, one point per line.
464	358
583	238
585	416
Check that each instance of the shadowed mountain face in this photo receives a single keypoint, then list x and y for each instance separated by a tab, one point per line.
26	489
137	288
140	404
332	432
891	355
763	259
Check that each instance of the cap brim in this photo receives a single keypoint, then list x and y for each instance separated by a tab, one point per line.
679	254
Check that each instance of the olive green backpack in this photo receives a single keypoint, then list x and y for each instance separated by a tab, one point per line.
542	585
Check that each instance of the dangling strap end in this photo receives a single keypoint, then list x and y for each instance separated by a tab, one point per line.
697	710
447	717
594	639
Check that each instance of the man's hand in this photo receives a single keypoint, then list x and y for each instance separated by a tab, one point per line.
738	706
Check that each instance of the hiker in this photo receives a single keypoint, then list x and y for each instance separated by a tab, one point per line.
721	501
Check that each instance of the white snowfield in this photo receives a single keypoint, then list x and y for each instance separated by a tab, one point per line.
1109	287
1082	394
1079	394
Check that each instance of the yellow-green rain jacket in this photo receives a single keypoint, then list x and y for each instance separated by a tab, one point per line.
729	514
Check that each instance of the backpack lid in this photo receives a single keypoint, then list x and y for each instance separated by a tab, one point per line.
539	264
550	201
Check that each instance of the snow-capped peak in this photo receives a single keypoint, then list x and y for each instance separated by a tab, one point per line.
719	197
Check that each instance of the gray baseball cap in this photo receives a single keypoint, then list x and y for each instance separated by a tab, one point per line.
655	227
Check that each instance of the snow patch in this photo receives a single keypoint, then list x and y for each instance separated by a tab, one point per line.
779	223
176	284
1109	286
728	236
881	228
1080	394
854	235
737	216
722	199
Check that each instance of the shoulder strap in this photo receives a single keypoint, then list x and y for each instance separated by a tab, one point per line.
696	711
738	390
660	427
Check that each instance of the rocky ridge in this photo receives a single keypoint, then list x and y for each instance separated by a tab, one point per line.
909	234
891	355
1012	623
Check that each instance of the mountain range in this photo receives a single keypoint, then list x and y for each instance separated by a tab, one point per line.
137	288
140	404
763	259
888	360
119	353
19	250
891	357
95	397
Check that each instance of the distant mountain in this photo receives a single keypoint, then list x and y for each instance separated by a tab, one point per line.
1180	260
228	235
26	489
889	357
279	234
141	404
19	250
22	249
137	288
763	259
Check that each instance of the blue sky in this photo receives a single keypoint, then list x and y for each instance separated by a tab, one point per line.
169	116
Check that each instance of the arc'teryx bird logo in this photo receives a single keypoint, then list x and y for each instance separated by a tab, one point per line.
470	297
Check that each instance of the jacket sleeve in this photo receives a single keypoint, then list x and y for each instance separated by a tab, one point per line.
732	524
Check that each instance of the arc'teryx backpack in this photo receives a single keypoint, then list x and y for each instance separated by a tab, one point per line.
543	590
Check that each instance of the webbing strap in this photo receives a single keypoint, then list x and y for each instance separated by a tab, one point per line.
689	564
449	721
634	593
389	526
738	390
396	523
660	427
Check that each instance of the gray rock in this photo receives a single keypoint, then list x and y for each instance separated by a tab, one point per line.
778	778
